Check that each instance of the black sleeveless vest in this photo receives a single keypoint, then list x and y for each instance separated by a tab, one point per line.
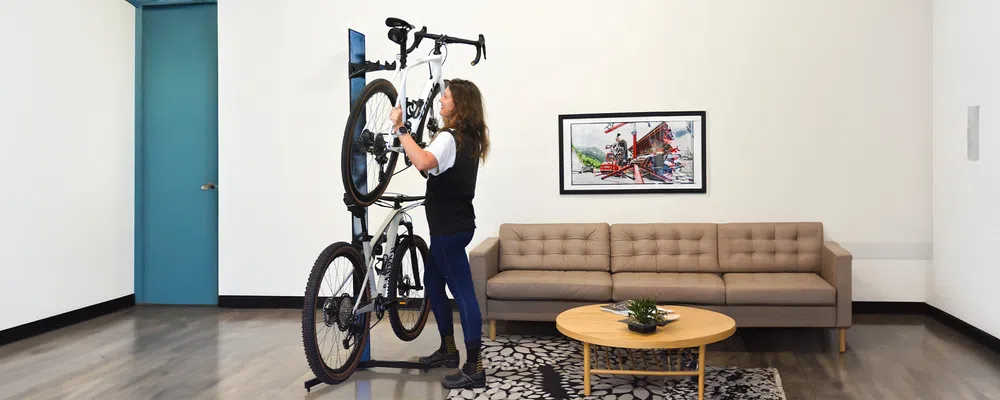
449	195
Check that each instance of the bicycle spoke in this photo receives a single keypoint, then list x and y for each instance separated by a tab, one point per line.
377	122
374	171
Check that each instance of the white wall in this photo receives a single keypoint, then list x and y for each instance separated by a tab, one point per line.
66	156
966	217
825	107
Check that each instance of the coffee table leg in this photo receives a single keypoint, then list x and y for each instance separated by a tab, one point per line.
586	369
701	372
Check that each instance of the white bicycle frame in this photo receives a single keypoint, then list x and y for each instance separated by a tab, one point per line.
373	281
435	61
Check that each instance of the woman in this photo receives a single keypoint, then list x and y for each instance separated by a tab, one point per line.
451	161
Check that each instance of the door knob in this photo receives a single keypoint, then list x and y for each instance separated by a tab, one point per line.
208	186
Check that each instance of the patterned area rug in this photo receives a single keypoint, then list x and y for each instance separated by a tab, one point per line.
547	367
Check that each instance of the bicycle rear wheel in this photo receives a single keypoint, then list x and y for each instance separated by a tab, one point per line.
367	164
409	306
328	323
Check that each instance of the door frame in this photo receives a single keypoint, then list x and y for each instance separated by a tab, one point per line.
139	226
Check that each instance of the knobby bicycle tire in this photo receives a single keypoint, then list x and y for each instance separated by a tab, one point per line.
309	338
407	248
347	161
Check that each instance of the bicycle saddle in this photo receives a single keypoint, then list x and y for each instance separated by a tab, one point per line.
394	22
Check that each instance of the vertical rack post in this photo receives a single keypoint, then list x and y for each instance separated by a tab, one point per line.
359	219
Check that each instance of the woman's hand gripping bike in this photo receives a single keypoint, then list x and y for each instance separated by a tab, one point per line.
349	281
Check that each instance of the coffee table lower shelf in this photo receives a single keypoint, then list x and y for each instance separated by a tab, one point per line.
664	362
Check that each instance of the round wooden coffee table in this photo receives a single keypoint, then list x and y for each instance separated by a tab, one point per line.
695	329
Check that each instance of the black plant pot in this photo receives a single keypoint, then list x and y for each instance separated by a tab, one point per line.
641	328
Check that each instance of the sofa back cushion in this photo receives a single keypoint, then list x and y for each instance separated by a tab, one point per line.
555	247
664	247
770	247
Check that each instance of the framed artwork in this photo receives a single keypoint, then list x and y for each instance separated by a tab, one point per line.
640	152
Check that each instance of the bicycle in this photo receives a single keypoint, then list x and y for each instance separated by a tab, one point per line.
377	144
375	279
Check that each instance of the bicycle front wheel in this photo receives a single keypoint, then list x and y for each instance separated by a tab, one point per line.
366	162
333	336
409	306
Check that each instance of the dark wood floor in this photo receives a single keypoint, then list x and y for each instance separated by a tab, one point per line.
196	353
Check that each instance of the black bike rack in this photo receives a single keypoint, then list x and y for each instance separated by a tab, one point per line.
359	215
356	70
377	364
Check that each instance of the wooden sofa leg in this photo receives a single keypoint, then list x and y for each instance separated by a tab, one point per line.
843	340
493	329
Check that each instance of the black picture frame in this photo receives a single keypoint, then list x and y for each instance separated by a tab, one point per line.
672	153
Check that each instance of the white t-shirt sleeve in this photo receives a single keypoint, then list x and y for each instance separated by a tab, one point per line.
443	149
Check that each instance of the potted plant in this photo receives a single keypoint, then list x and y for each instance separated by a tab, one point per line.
644	316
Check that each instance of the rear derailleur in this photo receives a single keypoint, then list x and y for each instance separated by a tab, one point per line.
372	143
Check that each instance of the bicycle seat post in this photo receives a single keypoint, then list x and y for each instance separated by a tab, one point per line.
360	221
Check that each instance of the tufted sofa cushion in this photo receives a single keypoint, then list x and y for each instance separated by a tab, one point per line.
786	288
555	247
669	287
664	247
770	247
550	285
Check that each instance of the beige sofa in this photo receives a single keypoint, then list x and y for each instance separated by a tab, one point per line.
781	274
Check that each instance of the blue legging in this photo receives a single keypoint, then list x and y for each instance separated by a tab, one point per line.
449	264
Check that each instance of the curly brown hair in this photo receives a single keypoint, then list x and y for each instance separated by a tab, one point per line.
467	121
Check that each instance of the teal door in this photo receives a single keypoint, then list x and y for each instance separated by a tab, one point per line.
178	146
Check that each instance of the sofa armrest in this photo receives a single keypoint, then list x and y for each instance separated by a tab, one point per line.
836	270
485	262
